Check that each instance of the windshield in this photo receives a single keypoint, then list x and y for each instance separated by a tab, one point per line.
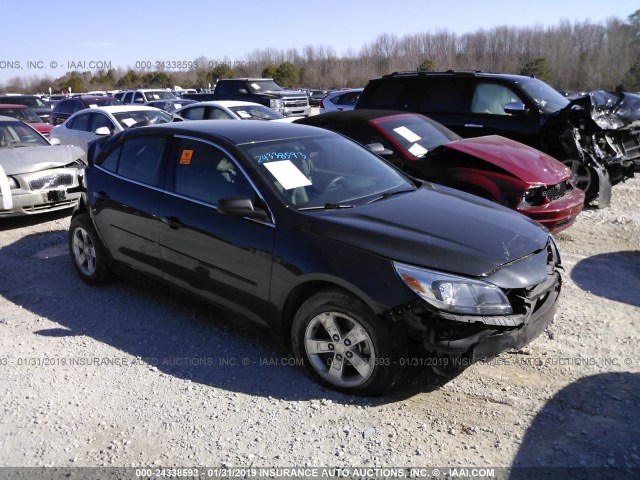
415	134
268	86
255	112
139	118
324	172
545	97
17	134
159	95
24	114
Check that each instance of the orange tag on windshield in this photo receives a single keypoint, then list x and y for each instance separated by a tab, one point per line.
185	158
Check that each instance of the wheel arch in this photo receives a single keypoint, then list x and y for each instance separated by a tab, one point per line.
305	290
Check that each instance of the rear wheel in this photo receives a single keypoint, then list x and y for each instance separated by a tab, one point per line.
585	178
345	346
88	255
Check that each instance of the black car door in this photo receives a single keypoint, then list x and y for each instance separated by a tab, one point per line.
125	189
488	117
224	259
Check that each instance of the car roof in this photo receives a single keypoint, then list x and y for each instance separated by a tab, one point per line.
247	131
454	73
19	96
226	103
118	109
348	116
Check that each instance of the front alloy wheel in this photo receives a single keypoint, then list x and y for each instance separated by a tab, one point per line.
345	346
88	254
84	253
339	349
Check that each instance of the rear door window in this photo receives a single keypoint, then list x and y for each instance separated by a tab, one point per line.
444	95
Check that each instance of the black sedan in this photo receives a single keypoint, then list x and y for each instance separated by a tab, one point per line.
313	236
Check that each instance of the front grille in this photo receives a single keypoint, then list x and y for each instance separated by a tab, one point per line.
295	102
555	192
51	181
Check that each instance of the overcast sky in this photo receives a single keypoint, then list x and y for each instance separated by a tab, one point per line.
40	34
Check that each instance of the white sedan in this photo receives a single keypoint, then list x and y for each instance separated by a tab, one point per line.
86	125
228	110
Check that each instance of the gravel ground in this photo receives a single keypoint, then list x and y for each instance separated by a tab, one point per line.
126	375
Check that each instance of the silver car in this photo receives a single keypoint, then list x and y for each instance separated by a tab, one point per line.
91	123
35	176
340	100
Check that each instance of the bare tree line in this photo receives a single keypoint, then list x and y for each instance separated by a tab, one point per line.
579	56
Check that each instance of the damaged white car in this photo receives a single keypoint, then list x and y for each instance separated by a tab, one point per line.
35	176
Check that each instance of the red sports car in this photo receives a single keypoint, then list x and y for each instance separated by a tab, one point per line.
24	113
493	167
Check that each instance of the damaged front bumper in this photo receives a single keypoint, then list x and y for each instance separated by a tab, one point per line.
479	337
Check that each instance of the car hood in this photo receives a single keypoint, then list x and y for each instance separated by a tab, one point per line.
436	227
526	163
34	159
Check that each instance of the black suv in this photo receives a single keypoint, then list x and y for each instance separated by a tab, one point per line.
65	108
525	109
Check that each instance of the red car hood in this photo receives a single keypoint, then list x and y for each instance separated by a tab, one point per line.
526	163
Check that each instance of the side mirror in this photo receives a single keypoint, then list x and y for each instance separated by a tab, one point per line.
379	149
59	121
243	91
515	108
138	100
54	141
177	118
102	131
241	207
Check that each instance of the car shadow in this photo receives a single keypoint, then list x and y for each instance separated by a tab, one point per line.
158	328
589	429
615	276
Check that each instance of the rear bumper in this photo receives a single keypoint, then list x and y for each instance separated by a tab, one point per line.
559	214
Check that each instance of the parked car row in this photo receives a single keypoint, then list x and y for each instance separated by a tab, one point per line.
356	236
598	138
493	167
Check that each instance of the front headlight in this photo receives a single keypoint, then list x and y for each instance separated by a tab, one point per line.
454	294
13	183
276	104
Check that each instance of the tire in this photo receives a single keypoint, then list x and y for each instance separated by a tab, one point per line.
585	178
87	252
345	346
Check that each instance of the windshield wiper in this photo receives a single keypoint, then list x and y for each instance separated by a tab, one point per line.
328	206
391	193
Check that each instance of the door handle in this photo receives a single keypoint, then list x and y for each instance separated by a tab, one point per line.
473	125
172	222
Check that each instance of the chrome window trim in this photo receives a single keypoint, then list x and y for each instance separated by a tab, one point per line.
267	223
